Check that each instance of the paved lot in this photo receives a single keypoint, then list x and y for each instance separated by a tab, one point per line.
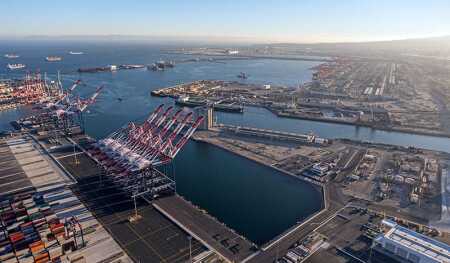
349	238
12	176
23	165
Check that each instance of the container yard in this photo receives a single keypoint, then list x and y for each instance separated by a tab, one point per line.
42	219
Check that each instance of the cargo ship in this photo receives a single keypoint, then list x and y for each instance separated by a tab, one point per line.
93	70
53	58
131	66
11	56
15	66
228	107
98	69
76	53
190	102
198	102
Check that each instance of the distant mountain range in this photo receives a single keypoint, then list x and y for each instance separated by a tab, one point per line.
435	46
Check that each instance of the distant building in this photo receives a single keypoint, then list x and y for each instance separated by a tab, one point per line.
320	169
400	244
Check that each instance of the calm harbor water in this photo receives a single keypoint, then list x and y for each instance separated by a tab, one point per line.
256	201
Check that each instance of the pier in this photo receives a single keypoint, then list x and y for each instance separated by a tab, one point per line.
215	235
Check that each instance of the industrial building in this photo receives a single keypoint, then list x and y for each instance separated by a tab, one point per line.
400	244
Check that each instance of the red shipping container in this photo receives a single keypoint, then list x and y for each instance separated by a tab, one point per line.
16	236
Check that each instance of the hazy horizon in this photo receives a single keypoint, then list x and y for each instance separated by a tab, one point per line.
252	21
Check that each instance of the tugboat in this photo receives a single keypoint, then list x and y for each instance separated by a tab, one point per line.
16	66
53	58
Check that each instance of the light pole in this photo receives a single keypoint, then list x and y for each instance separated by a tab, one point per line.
190	248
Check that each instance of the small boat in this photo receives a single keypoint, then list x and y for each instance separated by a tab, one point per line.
53	58
16	66
76	53
11	56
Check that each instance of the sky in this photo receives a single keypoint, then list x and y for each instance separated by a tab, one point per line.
248	20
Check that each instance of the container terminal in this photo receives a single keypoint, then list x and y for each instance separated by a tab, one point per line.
116	182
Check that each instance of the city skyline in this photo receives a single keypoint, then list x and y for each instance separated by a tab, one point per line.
249	21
